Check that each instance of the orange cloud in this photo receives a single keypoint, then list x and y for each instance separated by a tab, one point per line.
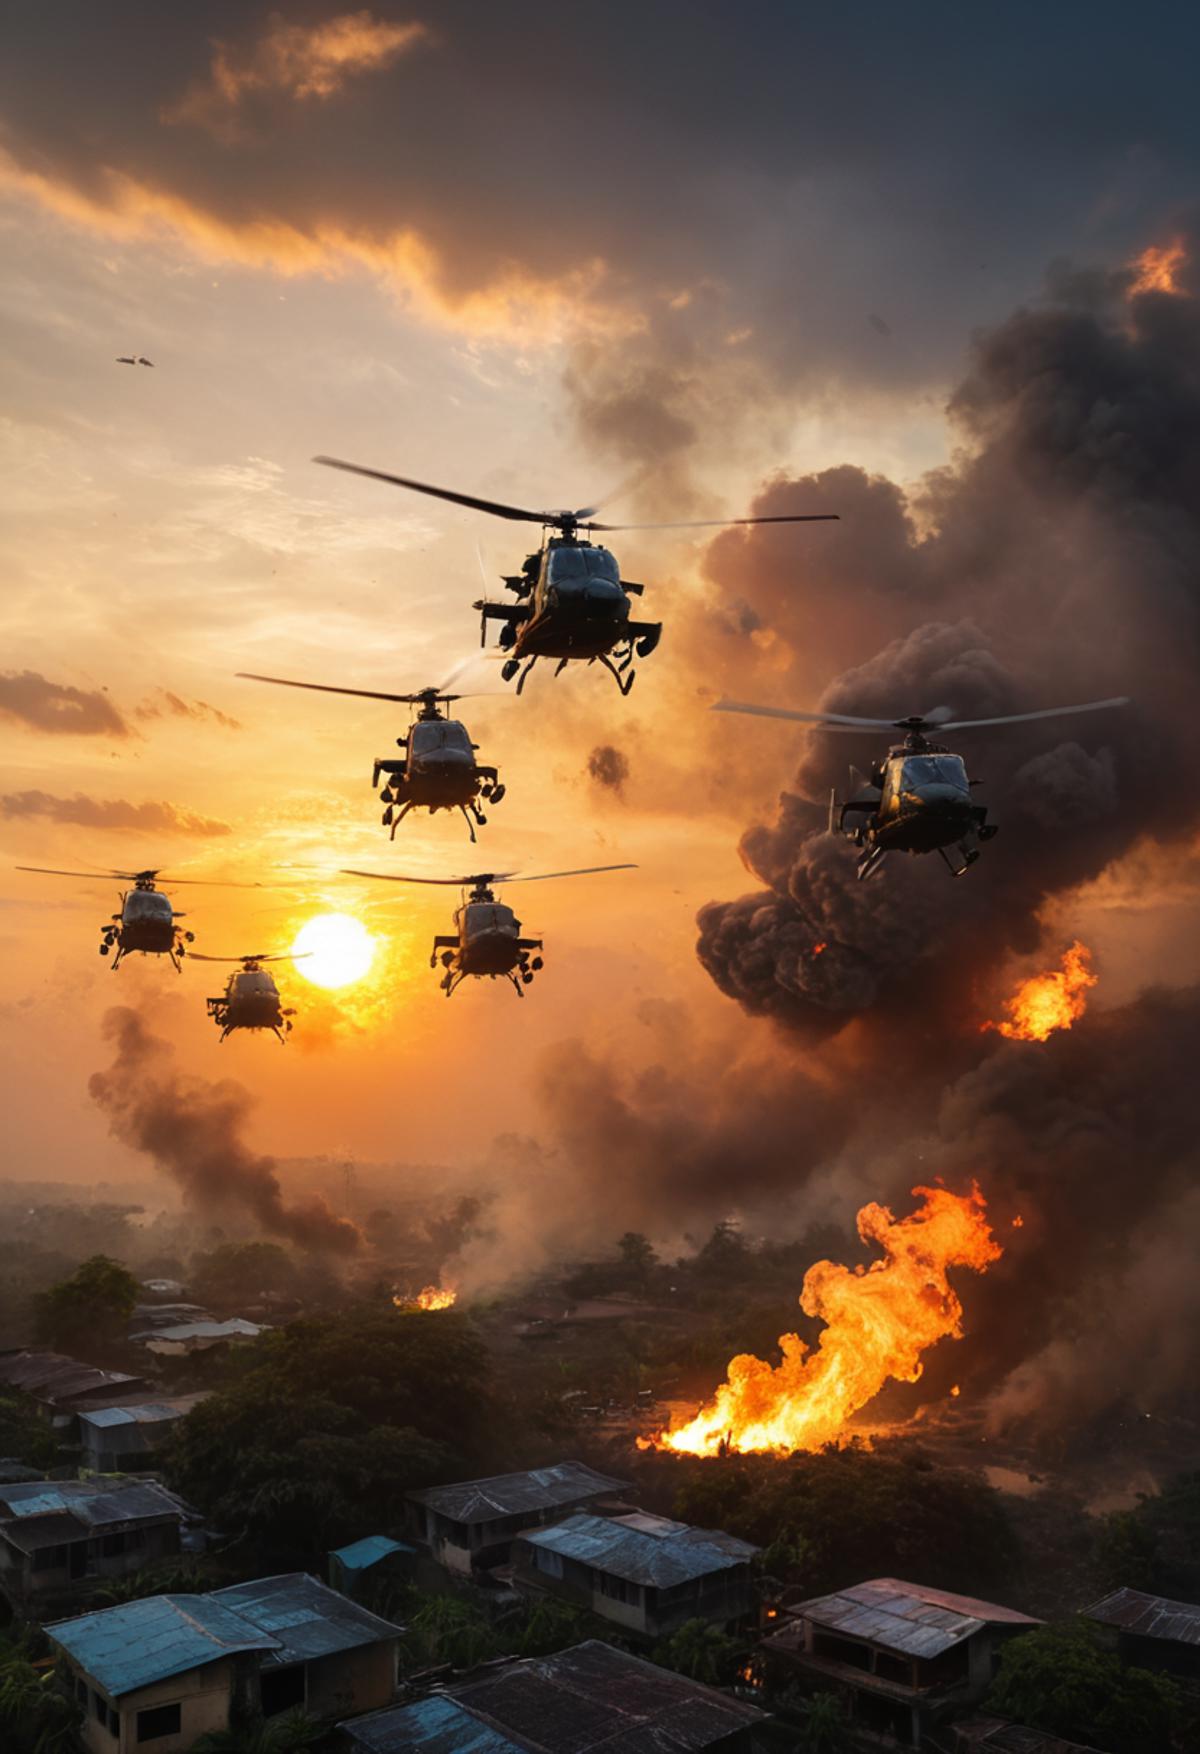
1157	270
153	818
297	61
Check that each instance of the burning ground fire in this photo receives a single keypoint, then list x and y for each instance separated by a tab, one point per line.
1051	1001
878	1319
431	1297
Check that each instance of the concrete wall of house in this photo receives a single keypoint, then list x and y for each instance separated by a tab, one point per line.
203	1695
352	1681
32	1584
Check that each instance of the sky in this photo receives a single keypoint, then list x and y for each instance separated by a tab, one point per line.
927	267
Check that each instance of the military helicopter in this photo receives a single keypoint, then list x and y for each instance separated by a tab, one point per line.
487	934
251	998
918	797
147	921
572	602
437	771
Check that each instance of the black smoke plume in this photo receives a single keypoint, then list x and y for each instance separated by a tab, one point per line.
608	767
193	1131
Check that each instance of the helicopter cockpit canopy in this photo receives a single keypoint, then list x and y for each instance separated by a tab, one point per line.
490	916
439	737
147	904
253	983
582	570
919	772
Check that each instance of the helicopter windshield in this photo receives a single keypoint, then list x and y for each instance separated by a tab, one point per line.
488	916
934	770
430	735
583	562
147	904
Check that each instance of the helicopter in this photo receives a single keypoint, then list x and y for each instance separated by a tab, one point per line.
147	921
487	934
572	602
437	771
251	998
917	799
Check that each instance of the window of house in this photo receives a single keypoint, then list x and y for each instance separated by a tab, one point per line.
105	1714
159	1720
547	1561
48	1559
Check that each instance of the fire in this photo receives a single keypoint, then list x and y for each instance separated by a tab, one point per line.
431	1297
1047	1002
821	948
878	1324
1157	270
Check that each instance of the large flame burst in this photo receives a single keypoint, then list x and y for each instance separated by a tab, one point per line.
879	1322
431	1297
1050	1001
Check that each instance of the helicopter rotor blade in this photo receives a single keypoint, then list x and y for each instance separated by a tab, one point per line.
496	507
827	721
450	882
324	687
1050	712
52	871
278	956
582	871
724	523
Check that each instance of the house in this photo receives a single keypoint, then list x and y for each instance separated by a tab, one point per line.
1151	1632
59	1537
161	1671
473	1523
350	1567
644	1573
590	1697
903	1654
180	1337
62	1385
127	1439
995	1735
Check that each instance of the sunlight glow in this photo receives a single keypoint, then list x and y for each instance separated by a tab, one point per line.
337	949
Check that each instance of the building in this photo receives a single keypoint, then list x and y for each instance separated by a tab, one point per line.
1151	1632
62	1385
174	1340
904	1655
995	1735
127	1439
366	1560
644	1573
58	1538
591	1697
162	1671
472	1524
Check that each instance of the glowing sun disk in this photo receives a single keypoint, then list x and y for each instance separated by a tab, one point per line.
336	949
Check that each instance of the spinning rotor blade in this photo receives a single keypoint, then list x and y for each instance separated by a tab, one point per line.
583	871
496	507
830	721
50	871
143	876
1050	712
326	687
280	956
450	882
724	523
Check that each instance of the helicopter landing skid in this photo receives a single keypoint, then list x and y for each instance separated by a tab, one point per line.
871	862
397	820
624	683
969	856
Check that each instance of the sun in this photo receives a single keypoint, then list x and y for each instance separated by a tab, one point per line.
336	949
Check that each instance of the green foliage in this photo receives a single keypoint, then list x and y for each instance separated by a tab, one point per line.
289	1733
24	1435
451	1629
1060	1679
702	1651
88	1313
852	1514
824	1729
545	1626
36	1717
173	1578
329	1424
241	1272
1126	1549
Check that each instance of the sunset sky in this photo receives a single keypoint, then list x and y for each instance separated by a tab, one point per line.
726	257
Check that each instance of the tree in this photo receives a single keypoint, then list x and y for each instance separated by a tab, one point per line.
88	1313
36	1717
637	1254
1060	1679
286	1734
242	1272
702	1651
824	1729
451	1629
24	1435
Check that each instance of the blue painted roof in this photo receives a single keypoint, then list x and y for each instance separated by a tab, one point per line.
437	1725
138	1643
304	1617
369	1551
642	1549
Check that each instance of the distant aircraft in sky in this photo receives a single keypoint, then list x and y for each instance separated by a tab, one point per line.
128	359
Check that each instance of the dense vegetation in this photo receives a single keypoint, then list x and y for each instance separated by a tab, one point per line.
1060	1679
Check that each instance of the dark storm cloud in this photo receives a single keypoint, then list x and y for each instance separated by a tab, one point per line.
609	767
88	812
193	1130
35	701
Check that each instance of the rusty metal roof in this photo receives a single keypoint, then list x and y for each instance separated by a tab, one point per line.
503	1495
641	1549
907	1618
1148	1616
52	1377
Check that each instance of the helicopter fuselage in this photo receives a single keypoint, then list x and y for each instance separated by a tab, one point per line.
487	942
250	1001
146	925
438	771
918	801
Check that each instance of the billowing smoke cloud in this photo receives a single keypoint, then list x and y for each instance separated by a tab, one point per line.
32	699
609	767
193	1131
161	818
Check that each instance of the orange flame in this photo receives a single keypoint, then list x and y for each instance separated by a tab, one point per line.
1157	270
432	1297
820	949
1047	1002
878	1324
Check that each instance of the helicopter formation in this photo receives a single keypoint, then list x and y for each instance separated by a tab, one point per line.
572	605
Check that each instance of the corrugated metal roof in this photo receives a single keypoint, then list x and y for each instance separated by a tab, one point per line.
1148	1616
91	1503
907	1618
51	1376
305	1616
623	1547
479	1501
233	1328
369	1551
591	1699
152	1413
138	1643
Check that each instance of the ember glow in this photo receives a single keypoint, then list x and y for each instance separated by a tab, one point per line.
879	1322
1158	270
1047	1002
432	1297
